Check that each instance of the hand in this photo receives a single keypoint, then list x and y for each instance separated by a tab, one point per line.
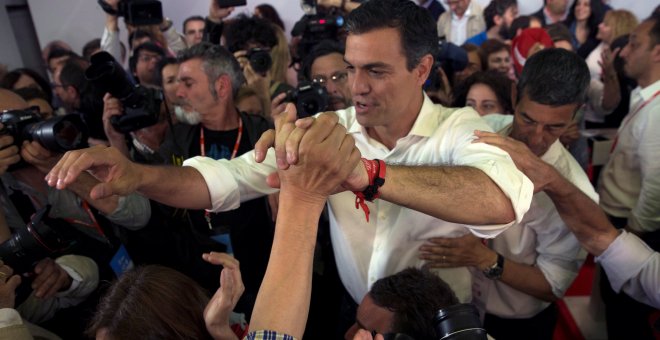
363	334
38	156
329	3
217	311
217	13
277	105
571	134
9	153
8	285
538	171
112	3
112	107
50	278
464	251
118	175
606	61
326	157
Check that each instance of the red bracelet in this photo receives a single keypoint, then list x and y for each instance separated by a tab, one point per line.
376	172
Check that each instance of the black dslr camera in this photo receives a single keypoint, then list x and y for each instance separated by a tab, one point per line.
310	98
141	104
136	12
260	60
457	322
58	134
42	237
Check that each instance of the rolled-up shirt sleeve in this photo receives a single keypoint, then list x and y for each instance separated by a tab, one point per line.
231	182
633	267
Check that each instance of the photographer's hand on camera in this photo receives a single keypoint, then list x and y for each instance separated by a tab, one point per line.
8	284
111	21
50	278
38	156
9	153
112	107
217	13
260	82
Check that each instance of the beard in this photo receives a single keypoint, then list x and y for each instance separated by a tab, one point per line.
187	117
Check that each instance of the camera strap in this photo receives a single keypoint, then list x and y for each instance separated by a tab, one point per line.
94	224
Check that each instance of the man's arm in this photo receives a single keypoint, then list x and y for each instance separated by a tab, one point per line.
182	187
457	194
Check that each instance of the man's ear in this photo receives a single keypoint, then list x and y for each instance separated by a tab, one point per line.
223	86
423	69
655	54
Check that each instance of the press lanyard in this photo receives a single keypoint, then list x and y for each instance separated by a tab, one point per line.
207	214
94	225
631	116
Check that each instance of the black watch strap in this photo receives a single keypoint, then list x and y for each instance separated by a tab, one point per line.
494	272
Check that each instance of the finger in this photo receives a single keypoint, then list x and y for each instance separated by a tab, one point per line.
222	259
265	142
305	123
13	282
273	180
61	278
283	127
101	190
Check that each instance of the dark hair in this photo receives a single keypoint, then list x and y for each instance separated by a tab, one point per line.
245	30
323	48
59	53
192	18
91	46
559	32
496	81
269	13
161	65
148	46
419	34
554	77
139	34
496	7
216	61
489	47
152	302
415	296
654	33
11	78
595	18
30	93
518	23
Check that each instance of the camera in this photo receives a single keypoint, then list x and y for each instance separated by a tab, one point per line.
136	12
58	134
141	104
459	322
42	237
310	98
314	29
260	60
230	3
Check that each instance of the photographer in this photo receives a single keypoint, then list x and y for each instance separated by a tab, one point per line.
325	65
251	41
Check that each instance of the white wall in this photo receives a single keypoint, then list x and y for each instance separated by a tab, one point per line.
78	21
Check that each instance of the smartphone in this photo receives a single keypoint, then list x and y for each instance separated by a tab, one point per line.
231	3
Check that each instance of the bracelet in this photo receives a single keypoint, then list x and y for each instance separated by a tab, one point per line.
376	171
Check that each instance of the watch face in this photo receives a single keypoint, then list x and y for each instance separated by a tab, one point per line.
494	273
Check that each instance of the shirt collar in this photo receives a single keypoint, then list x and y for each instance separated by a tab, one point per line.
467	14
650	90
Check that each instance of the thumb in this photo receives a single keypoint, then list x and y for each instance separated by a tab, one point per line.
101	190
14	282
273	180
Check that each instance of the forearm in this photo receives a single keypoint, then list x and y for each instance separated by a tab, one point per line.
181	187
284	296
611	93
455	194
581	214
527	279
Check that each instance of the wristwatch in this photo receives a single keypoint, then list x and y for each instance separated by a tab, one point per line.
494	272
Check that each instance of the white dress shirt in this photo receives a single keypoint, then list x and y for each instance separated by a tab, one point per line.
459	27
541	239
633	267
389	242
630	182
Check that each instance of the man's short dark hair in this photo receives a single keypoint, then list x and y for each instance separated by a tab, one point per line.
323	48
216	61
58	53
496	7
139	34
161	65
414	296
654	33
148	46
246	30
419	34
90	47
192	18
11	78
554	77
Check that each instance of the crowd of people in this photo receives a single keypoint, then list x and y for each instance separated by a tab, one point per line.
226	182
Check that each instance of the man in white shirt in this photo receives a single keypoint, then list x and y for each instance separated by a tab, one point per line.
442	173
463	20
521	272
630	182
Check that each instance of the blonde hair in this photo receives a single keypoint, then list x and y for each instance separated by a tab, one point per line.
281	56
621	22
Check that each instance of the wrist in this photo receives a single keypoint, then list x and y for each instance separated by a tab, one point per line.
488	259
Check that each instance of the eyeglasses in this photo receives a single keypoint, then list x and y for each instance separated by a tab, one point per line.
148	57
338	78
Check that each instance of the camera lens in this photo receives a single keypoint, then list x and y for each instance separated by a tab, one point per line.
60	134
260	60
459	322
